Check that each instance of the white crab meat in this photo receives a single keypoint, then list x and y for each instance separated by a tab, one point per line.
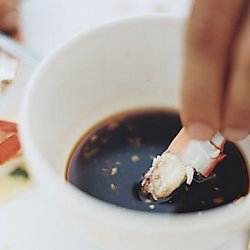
167	171
178	163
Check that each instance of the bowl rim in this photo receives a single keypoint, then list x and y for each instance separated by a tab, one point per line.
225	216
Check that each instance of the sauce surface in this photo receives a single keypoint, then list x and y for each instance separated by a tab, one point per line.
110	160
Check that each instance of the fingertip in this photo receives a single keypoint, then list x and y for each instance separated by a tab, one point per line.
200	131
234	134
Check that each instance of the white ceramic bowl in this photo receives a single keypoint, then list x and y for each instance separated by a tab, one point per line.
124	64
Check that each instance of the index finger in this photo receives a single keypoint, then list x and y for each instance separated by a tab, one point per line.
210	33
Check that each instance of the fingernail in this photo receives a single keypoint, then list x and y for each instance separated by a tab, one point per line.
233	134
200	131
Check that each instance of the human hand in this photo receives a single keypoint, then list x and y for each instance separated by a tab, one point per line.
9	17
216	79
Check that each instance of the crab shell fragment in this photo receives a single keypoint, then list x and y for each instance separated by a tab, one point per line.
178	163
9	141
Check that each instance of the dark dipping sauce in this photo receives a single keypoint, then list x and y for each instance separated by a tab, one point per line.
111	159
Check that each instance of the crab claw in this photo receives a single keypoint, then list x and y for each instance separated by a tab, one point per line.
178	163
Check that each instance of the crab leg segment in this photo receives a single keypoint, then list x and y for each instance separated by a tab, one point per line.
8	127
178	163
203	156
9	142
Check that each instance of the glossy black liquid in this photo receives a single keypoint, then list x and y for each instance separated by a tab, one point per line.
111	159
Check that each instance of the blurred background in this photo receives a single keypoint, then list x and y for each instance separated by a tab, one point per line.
45	23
